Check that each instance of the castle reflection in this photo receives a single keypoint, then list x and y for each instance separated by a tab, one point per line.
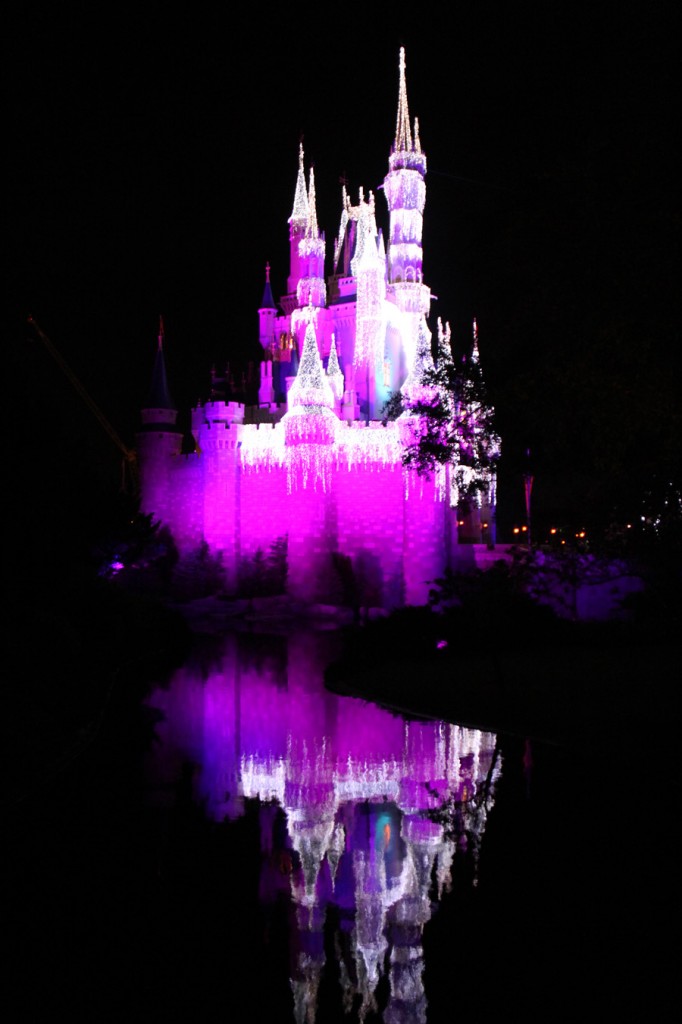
362	812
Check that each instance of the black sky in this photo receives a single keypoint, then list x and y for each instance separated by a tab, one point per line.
153	162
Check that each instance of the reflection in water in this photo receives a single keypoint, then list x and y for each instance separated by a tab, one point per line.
361	811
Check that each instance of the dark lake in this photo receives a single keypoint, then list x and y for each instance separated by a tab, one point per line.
248	846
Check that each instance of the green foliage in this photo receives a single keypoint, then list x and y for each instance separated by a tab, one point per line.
456	425
393	407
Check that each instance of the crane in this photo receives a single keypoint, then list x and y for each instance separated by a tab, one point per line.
129	473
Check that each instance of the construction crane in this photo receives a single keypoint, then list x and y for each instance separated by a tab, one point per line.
129	470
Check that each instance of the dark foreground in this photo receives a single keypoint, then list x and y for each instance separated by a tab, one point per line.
114	913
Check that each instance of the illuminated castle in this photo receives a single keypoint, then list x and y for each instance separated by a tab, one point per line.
314	466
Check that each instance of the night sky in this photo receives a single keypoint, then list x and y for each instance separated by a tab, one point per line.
152	168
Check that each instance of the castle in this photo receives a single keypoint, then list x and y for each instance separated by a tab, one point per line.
316	468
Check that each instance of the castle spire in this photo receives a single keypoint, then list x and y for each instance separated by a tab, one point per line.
312	230
405	193
298	223
475	355
334	372
311	389
406	150
299	213
311	288
268	301
403	135
159	397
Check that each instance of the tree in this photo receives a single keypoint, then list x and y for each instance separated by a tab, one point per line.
453	422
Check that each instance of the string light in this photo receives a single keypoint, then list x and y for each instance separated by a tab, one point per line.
334	372
299	214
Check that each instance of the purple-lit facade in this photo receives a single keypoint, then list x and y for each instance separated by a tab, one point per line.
313	464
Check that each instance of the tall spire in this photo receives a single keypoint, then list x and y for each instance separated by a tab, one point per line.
312	230
405	193
268	301
475	355
406	150
299	214
159	394
403	135
311	287
311	387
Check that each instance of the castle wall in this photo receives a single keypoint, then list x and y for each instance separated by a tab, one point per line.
370	530
184	514
263	509
427	525
375	535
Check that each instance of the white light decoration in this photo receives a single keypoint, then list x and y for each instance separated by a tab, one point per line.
312	288
299	214
406	195
334	373
369	269
343	226
418	388
310	425
371	445
445	366
311	387
406	254
411	298
262	447
406	152
300	318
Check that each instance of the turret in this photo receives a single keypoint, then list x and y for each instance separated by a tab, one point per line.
159	410
369	269
159	439
335	377
267	314
405	193
298	222
311	289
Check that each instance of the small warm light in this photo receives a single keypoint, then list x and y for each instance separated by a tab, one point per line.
460	522
516	529
581	534
524	529
629	526
484	526
553	530
563	542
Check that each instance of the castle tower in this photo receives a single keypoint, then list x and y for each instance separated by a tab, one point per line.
298	222
159	441
369	270
267	314
311	290
405	192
